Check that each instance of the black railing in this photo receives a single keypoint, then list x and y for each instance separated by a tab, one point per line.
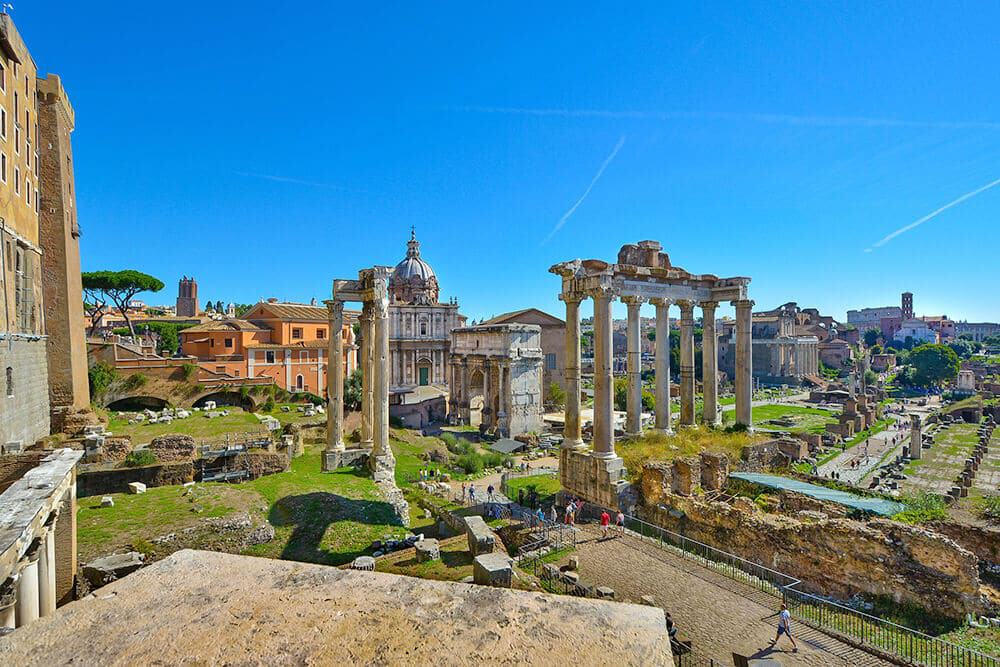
871	633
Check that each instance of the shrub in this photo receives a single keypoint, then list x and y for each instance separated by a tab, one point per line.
471	463
139	457
396	422
101	375
244	392
135	381
314	399
989	507
922	507
268	405
189	370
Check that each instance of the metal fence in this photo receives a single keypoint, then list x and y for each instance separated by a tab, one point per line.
868	632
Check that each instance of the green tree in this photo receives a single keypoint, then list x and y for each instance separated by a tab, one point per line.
555	395
621	396
870	377
220	307
242	308
100	375
352	390
933	364
871	336
119	287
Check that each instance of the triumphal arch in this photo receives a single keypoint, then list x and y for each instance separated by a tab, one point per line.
643	273
371	289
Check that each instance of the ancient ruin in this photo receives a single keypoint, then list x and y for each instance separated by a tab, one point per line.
372	290
643	273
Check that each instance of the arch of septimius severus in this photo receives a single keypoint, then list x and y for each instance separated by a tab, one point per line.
643	273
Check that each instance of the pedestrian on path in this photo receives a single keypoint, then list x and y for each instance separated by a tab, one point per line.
554	513
785	627
605	524
463	492
489	493
540	515
620	523
472	494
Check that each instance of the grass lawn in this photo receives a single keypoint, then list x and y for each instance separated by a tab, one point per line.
318	517
686	442
546	486
454	565
197	426
812	420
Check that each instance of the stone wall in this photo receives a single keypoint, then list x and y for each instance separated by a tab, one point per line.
101	481
837	557
980	540
259	463
597	480
13	466
26	413
525	396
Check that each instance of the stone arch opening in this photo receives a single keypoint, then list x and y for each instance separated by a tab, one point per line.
425	372
233	398
137	404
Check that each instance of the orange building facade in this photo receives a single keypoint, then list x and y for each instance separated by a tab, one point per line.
287	342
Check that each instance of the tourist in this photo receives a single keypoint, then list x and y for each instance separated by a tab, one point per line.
554	514
784	627
605	524
577	510
620	523
489	493
540	515
472	494
671	626
463	492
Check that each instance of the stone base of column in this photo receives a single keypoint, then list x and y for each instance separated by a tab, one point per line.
578	445
596	479
664	431
333	459
383	468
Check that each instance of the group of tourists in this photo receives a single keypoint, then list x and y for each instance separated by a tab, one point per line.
606	525
427	474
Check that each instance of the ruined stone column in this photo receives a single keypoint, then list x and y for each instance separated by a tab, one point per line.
502	404
572	431
47	572
335	385
916	438
744	362
662	365
687	363
489	417
382	459
709	364
604	387
465	406
633	417
27	607
367	347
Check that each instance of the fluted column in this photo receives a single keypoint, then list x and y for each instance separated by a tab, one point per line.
382	459
27	606
604	417
47	572
744	362
662	365
633	416
709	364
367	369
687	363
335	379
572	431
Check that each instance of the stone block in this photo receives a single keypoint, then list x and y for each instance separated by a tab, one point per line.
363	563
570	577
109	568
550	572
136	487
493	569
172	448
427	550
685	476
481	538
107	501
714	471
648	600
605	593
574	562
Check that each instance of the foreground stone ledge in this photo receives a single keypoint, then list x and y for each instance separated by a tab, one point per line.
211	608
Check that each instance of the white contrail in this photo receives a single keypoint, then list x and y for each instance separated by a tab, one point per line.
593	182
933	214
296	181
770	118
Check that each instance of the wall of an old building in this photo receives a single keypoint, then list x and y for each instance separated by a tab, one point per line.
25	413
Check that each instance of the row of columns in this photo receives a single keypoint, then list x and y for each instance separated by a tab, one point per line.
374	357
603	422
31	592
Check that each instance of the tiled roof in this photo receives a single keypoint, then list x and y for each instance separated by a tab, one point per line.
512	316
322	343
299	312
223	325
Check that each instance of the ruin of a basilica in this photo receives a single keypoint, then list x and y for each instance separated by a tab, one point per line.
643	273
371	289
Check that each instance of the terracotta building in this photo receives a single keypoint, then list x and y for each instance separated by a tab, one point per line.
284	341
40	318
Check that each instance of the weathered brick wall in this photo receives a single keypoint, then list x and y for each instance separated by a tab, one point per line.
26	413
13	466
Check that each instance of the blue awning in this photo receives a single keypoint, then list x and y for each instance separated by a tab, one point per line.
875	505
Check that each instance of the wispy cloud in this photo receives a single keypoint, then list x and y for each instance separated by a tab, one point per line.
600	172
295	181
768	118
933	214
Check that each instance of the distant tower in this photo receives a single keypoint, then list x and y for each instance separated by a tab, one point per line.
187	297
907	306
231	310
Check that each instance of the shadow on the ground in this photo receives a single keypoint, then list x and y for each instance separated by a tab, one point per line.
312	514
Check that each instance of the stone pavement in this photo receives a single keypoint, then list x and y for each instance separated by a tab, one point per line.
718	614
893	437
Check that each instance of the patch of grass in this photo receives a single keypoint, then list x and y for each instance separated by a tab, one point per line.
922	507
686	442
197	426
142	457
546	486
811	420
989	507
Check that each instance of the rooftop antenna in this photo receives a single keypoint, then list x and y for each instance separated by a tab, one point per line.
413	232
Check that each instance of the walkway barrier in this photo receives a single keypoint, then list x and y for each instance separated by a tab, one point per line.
871	633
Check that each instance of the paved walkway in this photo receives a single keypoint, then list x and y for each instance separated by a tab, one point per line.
718	614
853	464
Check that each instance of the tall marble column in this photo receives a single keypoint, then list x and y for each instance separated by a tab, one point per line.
27	607
382	456
687	363
709	364
744	362
335	380
367	370
662	365
604	417
47	572
572	431
633	416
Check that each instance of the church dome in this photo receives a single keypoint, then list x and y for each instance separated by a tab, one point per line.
413	279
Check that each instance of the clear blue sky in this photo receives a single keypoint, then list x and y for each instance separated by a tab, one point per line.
266	148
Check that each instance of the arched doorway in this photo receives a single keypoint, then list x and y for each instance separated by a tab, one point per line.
424	371
233	398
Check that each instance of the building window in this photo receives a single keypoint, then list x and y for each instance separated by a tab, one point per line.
3	167
229	342
304	355
10	382
320	333
17	138
550	362
269	356
3	78
37	207
27	191
17	181
423	328
299	383
296	333
211	342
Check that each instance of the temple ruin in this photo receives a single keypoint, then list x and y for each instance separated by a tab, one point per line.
643	273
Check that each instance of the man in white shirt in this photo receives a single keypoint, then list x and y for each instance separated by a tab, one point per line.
784	627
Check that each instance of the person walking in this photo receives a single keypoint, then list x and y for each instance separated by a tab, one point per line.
784	627
554	514
472	494
620	523
489	493
605	524
540	515
463	492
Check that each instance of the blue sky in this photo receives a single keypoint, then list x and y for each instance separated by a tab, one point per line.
268	148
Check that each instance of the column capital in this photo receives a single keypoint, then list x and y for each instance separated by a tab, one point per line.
744	303
334	306
601	292
687	309
572	297
632	300
660	301
709	305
